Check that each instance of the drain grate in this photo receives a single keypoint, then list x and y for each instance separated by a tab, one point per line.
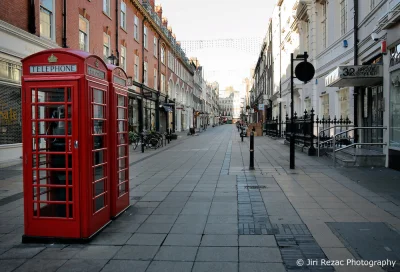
255	187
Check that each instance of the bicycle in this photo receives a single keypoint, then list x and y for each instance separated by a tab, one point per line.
149	140
134	138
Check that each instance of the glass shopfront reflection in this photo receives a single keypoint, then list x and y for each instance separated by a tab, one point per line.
149	115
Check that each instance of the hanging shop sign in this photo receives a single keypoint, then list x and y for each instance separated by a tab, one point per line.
355	76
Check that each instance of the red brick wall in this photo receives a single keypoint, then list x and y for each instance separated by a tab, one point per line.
15	12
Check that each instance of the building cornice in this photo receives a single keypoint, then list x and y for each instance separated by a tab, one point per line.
28	37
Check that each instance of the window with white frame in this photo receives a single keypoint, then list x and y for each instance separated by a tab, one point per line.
136	68
106	46
163	54
323	25
145	37
145	79
83	34
162	87
123	58
155	47
47	19
136	28
123	15
106	7
155	79
343	17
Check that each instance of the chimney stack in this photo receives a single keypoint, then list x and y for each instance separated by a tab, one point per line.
165	22
158	10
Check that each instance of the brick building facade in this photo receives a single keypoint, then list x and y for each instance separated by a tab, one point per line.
129	33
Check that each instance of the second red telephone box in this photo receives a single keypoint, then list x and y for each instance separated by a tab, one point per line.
119	147
65	145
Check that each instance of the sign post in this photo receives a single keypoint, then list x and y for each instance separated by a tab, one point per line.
304	71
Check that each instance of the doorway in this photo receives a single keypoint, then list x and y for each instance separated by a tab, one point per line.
373	107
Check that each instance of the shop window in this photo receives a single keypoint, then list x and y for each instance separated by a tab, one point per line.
343	96
10	115
394	114
325	106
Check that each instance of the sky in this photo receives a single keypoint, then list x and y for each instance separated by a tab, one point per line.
220	19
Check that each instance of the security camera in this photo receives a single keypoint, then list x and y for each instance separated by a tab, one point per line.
374	36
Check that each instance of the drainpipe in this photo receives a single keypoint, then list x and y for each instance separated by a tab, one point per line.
141	113
356	89
64	38
280	73
159	88
32	19
116	32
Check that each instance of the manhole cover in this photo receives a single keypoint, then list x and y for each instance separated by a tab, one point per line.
255	187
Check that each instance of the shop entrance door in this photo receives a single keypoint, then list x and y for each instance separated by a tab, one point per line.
373	106
53	167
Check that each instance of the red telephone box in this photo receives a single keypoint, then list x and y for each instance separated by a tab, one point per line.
119	145
65	145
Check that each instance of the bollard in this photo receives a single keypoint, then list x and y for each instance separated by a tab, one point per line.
251	151
241	134
169	135
142	141
165	139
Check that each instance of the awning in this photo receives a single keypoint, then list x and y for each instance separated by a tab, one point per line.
167	109
355	76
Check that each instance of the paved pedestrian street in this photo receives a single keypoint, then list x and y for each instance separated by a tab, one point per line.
196	207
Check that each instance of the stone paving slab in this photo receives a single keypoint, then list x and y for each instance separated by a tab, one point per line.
197	207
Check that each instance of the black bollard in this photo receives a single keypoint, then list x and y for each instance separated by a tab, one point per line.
142	142
251	151
241	133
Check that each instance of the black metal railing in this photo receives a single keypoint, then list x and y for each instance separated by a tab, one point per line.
306	128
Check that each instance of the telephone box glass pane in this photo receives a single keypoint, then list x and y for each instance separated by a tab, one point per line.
51	95
121	113
98	157
52	110
98	111
98	96
121	100
98	142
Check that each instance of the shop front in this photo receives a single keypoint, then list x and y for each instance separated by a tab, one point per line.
10	110
368	80
394	108
134	104
17	44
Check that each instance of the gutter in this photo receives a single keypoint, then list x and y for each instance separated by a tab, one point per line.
356	89
116	32
64	38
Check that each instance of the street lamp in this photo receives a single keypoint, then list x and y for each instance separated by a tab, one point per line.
112	58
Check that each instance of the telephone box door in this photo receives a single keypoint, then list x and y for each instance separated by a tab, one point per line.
99	165
51	171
